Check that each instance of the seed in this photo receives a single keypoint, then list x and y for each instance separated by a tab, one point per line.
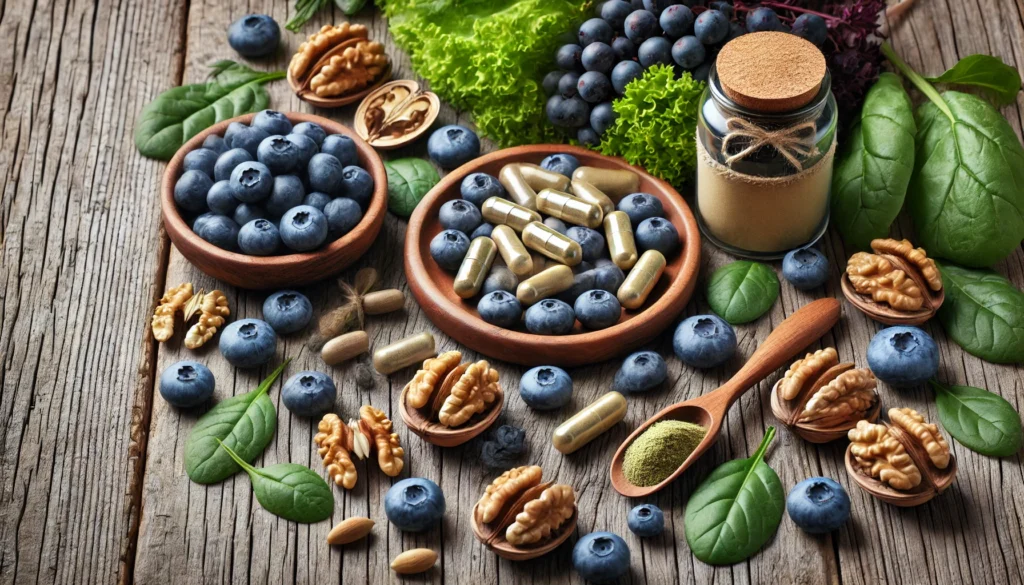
412	561
345	347
350	530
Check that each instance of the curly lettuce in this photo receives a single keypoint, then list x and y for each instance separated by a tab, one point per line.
657	124
488	57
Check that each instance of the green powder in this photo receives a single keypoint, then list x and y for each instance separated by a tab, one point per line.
660	450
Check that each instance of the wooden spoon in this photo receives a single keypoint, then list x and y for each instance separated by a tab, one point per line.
799	330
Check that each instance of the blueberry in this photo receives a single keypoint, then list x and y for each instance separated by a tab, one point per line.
550	317
903	356
564	164
279	154
625	72
325	174
654	51
599	57
272	122
567	84
448	248
594	87
247	138
186	384
641	25
287	311
556	224
601	557
199	222
688	53
597	309
309	394
657	233
624	49
479	187
191	189
811	27
201	159
452	146
343	214
640	206
640	372
762	19
581	283
312	130
228	161
460	215
286	192
342	148
317	200
303	228
220	198
614	12
735	30
357	185
575	111
251	182
485	230
656	7
247	212
646	520
550	82
590	240
414	504
805	268
546	388
259	237
608	277
583	266
711	27
500	278
602	116
722	6
818	505
216	144
676	21
219	230
595	30
254	35
704	341
248	343
568	57
505	447
500	308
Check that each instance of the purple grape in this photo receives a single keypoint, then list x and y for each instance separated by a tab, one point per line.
594	87
550	83
676	21
655	50
595	30
602	116
624	49
641	25
735	30
568	57
623	73
723	7
553	109
711	27
587	136
598	57
656	6
687	52
576	112
811	27
567	84
762	19
614	12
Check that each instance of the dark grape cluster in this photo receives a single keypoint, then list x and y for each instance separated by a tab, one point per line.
627	37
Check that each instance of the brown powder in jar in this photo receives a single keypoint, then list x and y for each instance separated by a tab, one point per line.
770	71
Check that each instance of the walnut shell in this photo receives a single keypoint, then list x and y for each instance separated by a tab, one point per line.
337	66
897	285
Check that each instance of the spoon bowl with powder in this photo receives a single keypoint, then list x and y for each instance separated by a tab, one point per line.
669	440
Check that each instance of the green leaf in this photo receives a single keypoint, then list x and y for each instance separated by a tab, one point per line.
736	510
995	79
409	179
742	291
245	423
983	313
350	7
978	419
872	174
289	490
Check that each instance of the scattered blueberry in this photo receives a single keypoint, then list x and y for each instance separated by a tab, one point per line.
485	229
500	308
568	57
272	122
646	520
805	268
602	116
448	248
818	505
597	309
640	206
248	343
201	159
216	143
704	341
452	146
676	21
641	25
479	187
220	198
657	233
259	237
762	19
247	138
598	57
342	148
309	394
303	228
640	372
342	214
556	224
614	12
287	192
279	154
414	504
504	448
811	27
191	189
711	27
624	49
287	311
357	185
903	356
500	278
186	384
219	230
601	557
325	174
655	51
312	130
228	161
595	30
251	182
688	53
317	199
459	214
594	87
625	72
246	212
545	388
550	317
254	35
591	241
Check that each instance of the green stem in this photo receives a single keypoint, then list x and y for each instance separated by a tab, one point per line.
248	468
768	436
918	81
938	386
265	385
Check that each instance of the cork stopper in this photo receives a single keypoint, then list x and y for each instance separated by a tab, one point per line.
770	71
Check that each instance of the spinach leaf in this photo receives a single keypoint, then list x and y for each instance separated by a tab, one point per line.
735	510
978	419
180	113
742	291
997	80
872	174
409	179
983	313
289	490
350	7
245	423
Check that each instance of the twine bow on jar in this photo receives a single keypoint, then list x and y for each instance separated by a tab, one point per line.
792	142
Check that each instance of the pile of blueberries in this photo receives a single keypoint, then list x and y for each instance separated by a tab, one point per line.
273	188
629	36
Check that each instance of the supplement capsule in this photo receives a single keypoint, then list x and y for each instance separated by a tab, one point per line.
613	183
619	235
541	238
475	266
512	250
568	208
521	192
345	347
548	283
383	301
641	279
502	211
539	178
591	194
587	424
404	353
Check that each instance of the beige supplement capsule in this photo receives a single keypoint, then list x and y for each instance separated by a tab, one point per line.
552	281
518	189
641	279
619	235
345	347
584	426
383	301
502	211
591	194
539	178
475	266
541	238
613	183
512	250
404	353
568	208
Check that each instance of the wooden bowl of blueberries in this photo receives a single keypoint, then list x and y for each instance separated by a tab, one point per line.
274	199
552	254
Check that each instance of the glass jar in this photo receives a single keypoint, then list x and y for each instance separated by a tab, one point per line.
763	178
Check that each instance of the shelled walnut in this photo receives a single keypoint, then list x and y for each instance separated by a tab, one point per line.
212	311
821	399
170	304
336	443
520	518
337	62
905	462
897	285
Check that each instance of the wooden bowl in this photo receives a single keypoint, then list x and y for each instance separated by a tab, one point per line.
431	285
264	272
301	88
436	433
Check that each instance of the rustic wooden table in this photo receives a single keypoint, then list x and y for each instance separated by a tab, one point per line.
92	484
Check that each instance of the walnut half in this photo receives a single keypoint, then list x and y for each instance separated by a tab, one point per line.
848	397
377	426
475	390
897	284
880	455
504	488
213	310
908	454
543	515
172	302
